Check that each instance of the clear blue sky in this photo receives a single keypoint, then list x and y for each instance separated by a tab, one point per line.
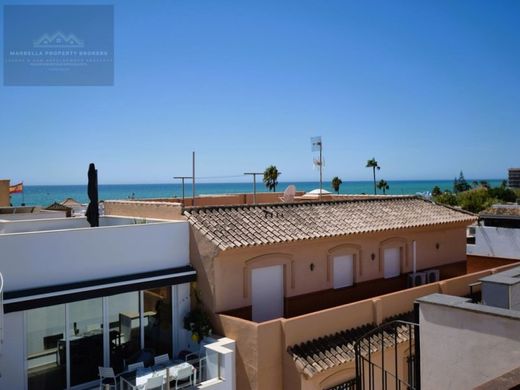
426	87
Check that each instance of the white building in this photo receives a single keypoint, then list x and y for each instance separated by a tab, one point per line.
497	234
75	297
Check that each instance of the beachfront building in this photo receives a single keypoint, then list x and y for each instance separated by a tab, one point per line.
76	298
285	279
514	177
328	273
282	260
4	193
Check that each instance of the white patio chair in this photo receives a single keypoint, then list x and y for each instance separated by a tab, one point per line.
161	359
107	377
134	366
183	374
155	383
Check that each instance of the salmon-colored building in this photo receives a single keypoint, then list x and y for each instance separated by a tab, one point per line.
281	260
282	279
297	284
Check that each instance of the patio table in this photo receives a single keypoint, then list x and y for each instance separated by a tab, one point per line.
136	380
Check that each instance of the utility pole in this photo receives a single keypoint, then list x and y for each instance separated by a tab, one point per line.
193	179
254	182
317	146
182	178
321	169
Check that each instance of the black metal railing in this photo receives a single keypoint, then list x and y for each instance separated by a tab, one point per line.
394	361
348	385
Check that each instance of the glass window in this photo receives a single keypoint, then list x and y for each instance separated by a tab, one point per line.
85	340
158	320
46	348
124	320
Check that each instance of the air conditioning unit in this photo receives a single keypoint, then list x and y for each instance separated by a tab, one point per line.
432	275
418	280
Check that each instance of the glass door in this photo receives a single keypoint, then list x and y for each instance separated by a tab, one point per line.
85	340
158	320
46	356
125	328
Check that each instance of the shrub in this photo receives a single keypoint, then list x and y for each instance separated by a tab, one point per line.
475	200
446	198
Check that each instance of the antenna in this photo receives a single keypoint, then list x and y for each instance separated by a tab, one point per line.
317	146
254	182
193	179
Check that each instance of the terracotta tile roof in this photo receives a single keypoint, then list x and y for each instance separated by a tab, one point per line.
317	355
502	211
243	226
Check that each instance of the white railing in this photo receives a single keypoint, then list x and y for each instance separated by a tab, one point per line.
219	371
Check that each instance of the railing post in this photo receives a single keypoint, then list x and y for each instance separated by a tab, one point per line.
358	366
417	363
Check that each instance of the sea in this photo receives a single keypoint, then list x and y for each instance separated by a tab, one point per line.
44	195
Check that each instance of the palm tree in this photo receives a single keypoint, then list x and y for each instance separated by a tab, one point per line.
373	164
336	182
271	177
383	185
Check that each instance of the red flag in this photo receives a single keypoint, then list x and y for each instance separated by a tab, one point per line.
16	189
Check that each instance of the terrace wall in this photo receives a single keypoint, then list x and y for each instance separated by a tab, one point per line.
69	256
262	346
144	209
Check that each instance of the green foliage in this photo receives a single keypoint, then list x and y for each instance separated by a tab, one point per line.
383	185
336	183
447	197
271	177
436	191
197	321
475	200
460	184
503	193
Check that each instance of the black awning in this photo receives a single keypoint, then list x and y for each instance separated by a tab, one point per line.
53	295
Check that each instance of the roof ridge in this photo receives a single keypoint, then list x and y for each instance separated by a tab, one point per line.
384	198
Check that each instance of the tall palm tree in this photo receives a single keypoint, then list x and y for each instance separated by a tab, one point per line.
336	182
383	185
271	177
373	164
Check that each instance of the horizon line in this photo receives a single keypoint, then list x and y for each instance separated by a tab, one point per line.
259	182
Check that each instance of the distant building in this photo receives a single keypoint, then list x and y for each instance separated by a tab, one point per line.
497	235
4	193
514	177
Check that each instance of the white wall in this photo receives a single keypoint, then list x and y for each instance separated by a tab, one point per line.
38	225
41	214
40	259
496	242
464	345
12	353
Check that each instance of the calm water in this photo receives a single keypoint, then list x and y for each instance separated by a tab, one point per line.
46	195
